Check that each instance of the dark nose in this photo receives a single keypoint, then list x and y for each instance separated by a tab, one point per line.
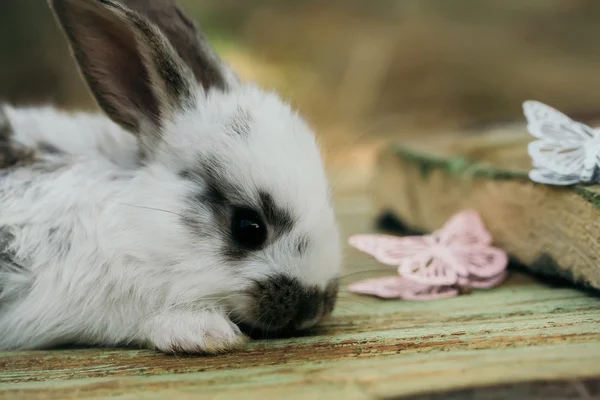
284	303
310	309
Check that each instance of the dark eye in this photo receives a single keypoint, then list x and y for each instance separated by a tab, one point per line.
248	229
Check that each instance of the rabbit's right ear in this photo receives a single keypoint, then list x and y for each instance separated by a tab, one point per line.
189	42
131	68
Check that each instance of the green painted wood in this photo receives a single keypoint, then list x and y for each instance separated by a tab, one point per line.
540	390
523	331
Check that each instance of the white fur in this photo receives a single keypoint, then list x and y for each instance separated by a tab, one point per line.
125	263
105	256
77	133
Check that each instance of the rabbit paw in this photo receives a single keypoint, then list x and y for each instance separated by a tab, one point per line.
204	332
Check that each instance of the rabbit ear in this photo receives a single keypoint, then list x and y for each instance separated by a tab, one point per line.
131	68
188	41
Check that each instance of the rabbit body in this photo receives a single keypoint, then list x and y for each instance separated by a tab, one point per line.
198	204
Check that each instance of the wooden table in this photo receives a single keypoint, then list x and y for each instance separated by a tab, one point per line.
512	338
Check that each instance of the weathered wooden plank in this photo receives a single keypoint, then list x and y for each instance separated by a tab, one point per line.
369	377
541	390
368	336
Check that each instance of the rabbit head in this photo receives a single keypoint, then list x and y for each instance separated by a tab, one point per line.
250	222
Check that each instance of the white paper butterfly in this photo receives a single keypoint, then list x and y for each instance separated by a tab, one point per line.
567	153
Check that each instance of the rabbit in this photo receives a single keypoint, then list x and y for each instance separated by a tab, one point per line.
198	204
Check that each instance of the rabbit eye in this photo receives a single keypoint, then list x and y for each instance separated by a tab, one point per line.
248	229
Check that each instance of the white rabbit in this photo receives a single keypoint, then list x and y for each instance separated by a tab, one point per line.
215	213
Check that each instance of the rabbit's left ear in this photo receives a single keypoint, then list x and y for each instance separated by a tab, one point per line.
130	66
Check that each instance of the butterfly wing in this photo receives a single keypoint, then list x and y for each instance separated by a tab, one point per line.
468	247
547	177
437	264
564	145
397	287
488	283
548	124
371	244
464	229
565	159
390	250
429	268
433	293
481	262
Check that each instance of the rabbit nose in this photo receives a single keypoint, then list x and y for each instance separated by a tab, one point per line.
310	310
315	305
283	302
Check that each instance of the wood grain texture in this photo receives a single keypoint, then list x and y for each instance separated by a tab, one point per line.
542	390
552	230
369	349
524	331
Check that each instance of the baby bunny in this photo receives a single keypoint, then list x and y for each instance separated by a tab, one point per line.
200	205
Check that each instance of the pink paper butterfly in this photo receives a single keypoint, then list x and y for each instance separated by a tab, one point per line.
459	255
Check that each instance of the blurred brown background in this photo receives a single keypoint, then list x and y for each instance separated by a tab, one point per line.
361	69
